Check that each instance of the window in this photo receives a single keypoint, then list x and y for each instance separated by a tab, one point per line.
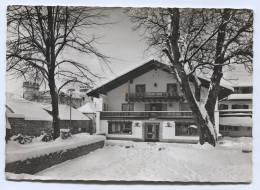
185	106
156	107
105	107
247	90
172	89
185	129
243	90
235	128
120	127
236	90
223	107
239	106
140	88
128	107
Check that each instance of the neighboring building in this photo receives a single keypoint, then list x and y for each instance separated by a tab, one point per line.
71	118
31	118
25	117
236	112
31	92
147	104
90	109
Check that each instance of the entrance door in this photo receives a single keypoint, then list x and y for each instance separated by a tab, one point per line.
151	132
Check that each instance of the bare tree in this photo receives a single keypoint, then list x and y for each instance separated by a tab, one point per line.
196	41
39	38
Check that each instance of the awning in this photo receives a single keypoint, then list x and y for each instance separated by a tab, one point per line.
193	126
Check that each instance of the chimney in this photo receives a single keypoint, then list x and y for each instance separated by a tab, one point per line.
30	90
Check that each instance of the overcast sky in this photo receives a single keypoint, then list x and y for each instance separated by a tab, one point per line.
126	49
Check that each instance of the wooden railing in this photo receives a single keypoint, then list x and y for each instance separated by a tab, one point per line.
151	95
145	114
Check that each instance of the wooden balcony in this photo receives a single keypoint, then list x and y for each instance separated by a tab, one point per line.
143	115
151	96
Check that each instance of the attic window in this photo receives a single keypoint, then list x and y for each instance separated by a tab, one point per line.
131	81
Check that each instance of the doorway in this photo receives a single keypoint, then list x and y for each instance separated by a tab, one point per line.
151	131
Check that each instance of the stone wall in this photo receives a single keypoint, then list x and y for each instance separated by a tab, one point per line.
28	127
34	165
76	125
34	127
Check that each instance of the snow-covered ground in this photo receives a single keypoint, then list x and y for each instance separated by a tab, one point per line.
142	161
16	151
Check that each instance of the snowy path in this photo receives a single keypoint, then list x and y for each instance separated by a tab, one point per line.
122	160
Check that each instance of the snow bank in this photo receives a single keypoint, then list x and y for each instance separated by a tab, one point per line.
18	152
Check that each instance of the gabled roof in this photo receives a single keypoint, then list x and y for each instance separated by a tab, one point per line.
144	68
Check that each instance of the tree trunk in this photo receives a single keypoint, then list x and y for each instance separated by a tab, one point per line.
55	108
217	70
51	59
201	117
206	127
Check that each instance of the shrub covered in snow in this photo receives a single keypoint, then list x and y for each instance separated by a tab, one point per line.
22	139
65	133
46	137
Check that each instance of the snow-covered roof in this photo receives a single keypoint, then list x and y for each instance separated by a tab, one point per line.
236	121
30	110
89	107
64	113
223	82
242	81
239	97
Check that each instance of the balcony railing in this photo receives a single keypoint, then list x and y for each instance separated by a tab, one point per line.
151	96
236	113
145	114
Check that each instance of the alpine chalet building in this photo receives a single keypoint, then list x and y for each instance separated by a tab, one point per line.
147	104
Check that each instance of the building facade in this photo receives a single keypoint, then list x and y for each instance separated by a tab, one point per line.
147	104
31	92
236	112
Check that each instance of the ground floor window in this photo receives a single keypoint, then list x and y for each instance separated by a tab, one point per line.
185	129
119	127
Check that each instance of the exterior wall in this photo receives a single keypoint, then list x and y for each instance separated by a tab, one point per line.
116	97
166	134
158	76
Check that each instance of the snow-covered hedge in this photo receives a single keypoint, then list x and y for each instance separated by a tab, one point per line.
37	156
18	152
